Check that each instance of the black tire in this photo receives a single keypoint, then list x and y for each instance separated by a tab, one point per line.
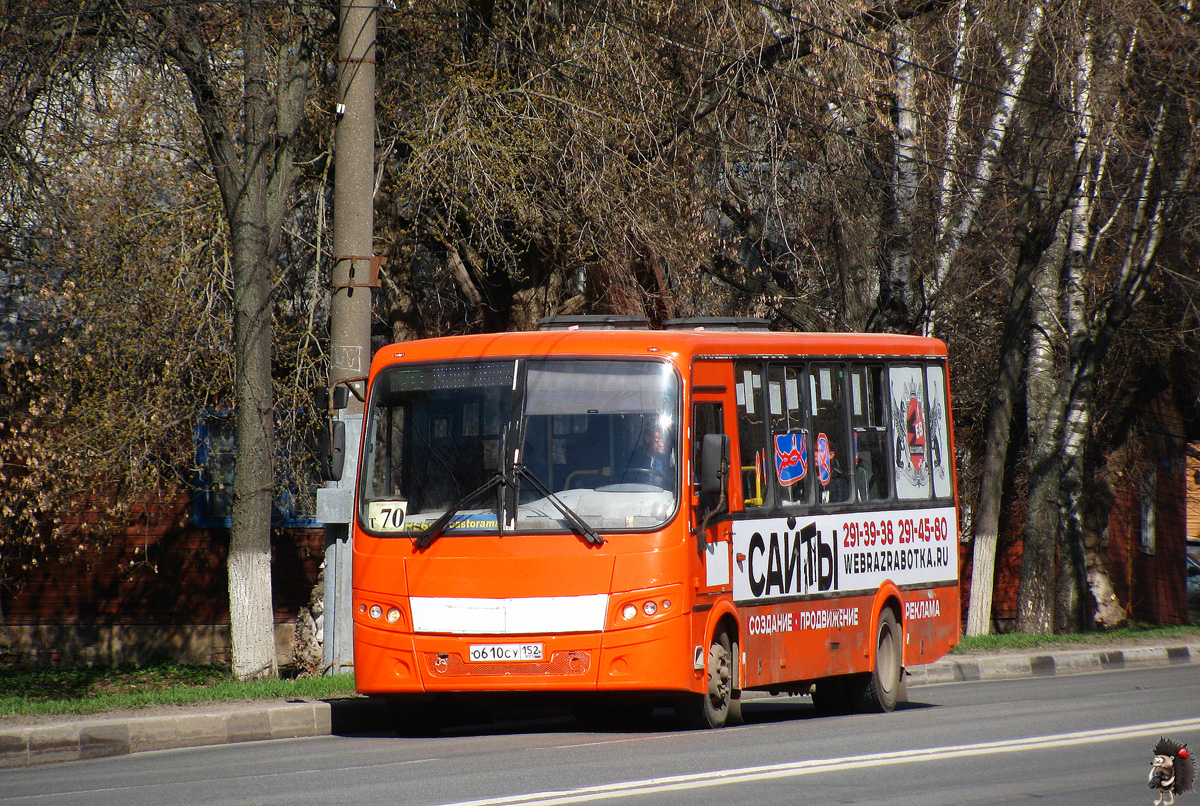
711	709
882	691
734	717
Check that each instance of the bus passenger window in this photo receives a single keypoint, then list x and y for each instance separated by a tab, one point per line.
831	455
939	435
751	432
791	447
868	419
909	435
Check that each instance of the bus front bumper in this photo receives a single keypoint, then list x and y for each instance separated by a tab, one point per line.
655	657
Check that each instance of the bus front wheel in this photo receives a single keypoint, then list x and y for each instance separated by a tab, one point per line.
712	708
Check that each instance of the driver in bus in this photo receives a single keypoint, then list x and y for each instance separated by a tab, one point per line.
650	462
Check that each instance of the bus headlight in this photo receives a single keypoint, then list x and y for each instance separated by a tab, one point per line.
393	615
375	612
650	608
629	611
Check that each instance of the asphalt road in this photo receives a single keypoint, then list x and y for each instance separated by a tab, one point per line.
1080	739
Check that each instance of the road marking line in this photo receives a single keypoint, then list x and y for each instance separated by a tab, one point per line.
622	789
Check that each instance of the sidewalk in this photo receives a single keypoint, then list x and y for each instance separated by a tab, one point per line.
34	742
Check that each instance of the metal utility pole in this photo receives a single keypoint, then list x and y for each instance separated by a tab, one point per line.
355	272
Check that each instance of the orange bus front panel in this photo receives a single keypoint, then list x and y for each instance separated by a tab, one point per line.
384	660
654	656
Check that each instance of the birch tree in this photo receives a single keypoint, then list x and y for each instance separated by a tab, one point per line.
957	214
1083	301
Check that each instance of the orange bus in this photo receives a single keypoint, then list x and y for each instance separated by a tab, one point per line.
614	517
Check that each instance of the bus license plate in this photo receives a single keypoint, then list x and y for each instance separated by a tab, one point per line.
505	652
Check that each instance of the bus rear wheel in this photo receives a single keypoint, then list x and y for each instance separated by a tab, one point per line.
712	708
882	691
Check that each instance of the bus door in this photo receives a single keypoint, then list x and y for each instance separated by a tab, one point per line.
712	384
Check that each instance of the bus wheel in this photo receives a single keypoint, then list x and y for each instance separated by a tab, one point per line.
711	709
883	688
734	716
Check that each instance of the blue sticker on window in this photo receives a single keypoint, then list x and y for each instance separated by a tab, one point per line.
791	458
824	459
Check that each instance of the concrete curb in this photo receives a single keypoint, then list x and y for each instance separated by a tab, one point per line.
119	736
99	737
1012	666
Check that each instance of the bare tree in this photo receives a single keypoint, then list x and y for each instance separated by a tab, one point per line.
250	132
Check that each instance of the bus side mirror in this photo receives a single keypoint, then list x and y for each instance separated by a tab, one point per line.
714	464
331	433
331	449
341	396
714	477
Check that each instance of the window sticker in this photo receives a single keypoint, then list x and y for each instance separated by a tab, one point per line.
826	384
824	460
915	417
909	431
791	458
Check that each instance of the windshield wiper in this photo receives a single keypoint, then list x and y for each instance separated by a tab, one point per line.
435	529
579	524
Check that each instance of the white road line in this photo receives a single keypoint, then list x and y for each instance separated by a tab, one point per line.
700	780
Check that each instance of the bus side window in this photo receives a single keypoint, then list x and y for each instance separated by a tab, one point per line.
939	436
868	419
909	434
752	433
831	455
790	450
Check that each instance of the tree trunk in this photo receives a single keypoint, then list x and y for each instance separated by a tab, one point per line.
996	441
255	178
899	299
1069	604
251	615
1035	613
1155	210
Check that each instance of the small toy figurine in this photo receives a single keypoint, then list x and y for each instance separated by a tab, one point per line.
1172	772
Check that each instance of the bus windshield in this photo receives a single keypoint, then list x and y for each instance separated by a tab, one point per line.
539	438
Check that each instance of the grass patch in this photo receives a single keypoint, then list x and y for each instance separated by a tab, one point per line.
993	643
97	689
